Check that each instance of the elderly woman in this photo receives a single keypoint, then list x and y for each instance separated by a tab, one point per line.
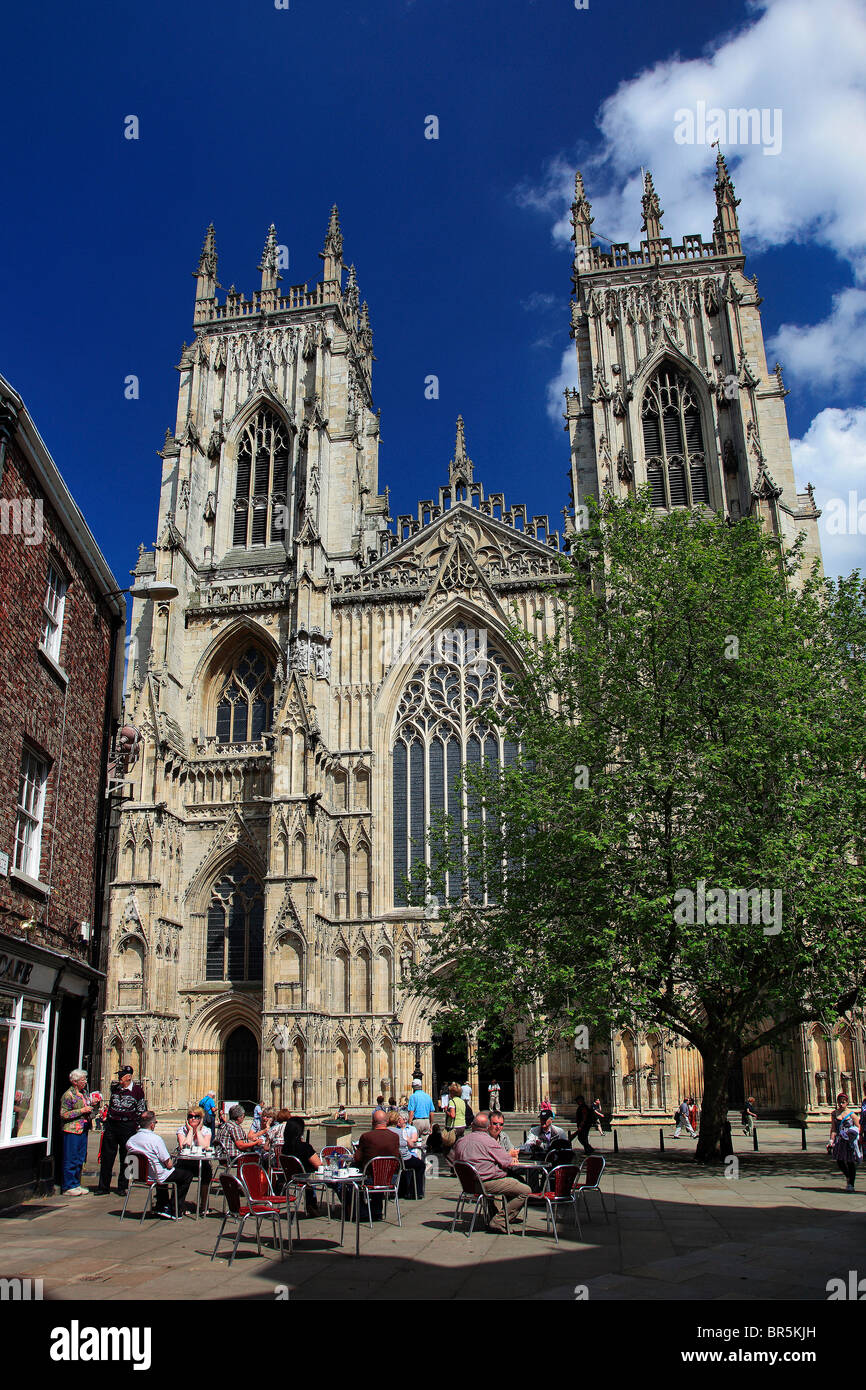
75	1112
195	1135
413	1162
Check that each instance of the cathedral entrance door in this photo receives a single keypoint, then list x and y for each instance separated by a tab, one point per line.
241	1066
496	1063
450	1060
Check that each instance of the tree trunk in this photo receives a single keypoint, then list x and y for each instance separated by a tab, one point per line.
717	1062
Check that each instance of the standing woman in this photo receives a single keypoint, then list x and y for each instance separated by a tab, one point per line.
845	1139
456	1112
75	1112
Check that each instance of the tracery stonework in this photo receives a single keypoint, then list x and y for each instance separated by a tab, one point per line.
306	701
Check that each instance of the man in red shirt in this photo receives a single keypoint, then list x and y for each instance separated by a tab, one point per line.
378	1142
495	1167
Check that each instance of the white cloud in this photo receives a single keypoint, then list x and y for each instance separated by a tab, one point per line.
830	353
566	376
807	61
832	455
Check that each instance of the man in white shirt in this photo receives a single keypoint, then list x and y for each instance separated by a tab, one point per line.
466	1091
149	1145
542	1135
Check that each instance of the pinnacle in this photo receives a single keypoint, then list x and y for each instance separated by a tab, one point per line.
460	446
269	255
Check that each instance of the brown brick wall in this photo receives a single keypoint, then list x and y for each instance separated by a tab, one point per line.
32	699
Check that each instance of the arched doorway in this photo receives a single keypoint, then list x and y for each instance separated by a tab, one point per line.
496	1063
450	1059
241	1066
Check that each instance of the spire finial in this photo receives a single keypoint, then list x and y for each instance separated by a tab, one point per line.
268	263
332	251
726	228
207	267
581	223
351	296
651	208
460	467
365	332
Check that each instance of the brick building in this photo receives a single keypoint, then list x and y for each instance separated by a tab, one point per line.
61	667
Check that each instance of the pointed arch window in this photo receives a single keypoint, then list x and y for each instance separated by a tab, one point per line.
245	709
262	481
235	927
438	729
673	441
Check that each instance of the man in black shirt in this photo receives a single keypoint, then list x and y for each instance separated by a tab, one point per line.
126	1105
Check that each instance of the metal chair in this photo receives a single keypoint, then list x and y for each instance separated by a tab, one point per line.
558	1191
240	1207
471	1186
143	1179
332	1149
382	1179
257	1184
593	1167
292	1169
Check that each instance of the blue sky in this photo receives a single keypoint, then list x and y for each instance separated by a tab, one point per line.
250	114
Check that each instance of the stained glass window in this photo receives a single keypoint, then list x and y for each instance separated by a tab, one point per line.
673	441
235	927
438	728
245	708
261	481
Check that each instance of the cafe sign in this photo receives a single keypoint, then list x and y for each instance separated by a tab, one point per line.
15	971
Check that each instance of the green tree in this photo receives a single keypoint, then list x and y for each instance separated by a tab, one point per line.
680	844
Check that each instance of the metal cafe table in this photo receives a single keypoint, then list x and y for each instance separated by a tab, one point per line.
202	1156
337	1181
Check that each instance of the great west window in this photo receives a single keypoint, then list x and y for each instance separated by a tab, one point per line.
438	728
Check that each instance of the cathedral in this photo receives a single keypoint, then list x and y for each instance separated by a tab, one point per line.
303	705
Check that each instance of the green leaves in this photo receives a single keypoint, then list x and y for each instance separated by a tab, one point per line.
715	697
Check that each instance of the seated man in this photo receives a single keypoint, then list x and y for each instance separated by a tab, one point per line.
231	1138
493	1166
149	1145
378	1142
497	1131
542	1136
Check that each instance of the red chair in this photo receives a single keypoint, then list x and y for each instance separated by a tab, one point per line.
593	1167
143	1179
240	1207
471	1186
293	1172
332	1149
381	1179
558	1191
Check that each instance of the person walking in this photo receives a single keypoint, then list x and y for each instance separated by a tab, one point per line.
682	1120
584	1116
493	1095
844	1142
75	1116
456	1111
126	1106
421	1107
750	1115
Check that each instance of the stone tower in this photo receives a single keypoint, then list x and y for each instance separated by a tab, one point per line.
674	389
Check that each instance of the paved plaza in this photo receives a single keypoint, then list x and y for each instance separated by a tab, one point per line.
778	1231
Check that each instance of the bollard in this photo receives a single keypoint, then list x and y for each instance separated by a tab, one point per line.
615	1142
524	1136
802	1136
661	1140
755	1138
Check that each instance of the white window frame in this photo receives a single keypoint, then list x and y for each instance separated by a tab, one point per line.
53	608
31	813
14	1022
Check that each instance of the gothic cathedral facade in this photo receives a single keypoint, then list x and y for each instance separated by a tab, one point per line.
306	700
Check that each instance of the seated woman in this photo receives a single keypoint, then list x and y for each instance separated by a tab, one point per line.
295	1144
196	1135
278	1126
413	1160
